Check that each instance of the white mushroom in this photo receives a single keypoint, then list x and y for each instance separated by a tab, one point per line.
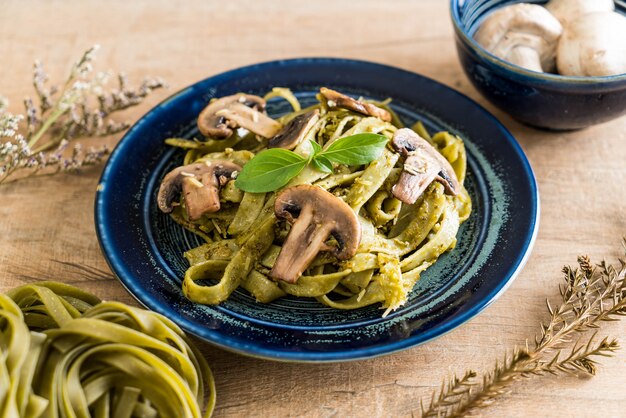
247	111
569	10
523	34
593	45
314	215
199	184
250	119
336	99
423	164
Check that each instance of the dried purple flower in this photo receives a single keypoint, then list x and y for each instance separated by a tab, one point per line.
65	114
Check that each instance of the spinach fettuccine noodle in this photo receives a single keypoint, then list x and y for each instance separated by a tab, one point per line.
398	240
64	353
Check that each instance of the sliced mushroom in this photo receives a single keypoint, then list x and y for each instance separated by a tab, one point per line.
199	184
423	165
341	100
250	119
293	133
221	116
523	34
314	215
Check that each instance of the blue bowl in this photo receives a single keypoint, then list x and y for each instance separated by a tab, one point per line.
539	99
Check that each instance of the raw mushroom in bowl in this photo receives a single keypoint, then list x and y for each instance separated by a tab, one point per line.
571	37
594	44
523	34
569	10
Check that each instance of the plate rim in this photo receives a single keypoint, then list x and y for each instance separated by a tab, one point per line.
257	350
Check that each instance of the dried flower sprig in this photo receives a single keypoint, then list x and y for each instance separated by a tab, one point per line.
589	296
80	108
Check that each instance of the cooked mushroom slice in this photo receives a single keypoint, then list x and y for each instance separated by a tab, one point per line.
341	100
293	133
250	119
221	116
315	215
199	183
523	34
423	165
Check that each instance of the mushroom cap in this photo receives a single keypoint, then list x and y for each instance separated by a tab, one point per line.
314	214
566	11
294	132
199	184
347	102
593	45
423	165
216	126
522	25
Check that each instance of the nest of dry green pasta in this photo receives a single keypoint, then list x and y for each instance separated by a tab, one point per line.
64	353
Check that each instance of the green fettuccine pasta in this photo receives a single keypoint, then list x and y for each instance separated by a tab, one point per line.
398	240
64	353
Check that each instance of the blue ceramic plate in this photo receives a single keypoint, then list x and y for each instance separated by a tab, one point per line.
145	247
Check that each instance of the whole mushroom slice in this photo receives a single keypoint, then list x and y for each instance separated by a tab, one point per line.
423	165
221	116
522	34
294	132
199	184
314	215
336	99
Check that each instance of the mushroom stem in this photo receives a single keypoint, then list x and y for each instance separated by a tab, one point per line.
413	181
305	240
201	196
526	57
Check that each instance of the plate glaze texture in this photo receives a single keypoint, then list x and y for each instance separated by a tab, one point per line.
145	247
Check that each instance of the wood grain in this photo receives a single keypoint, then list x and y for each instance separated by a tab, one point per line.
46	224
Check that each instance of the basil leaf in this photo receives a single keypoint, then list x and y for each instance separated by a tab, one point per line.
316	147
322	164
355	149
270	170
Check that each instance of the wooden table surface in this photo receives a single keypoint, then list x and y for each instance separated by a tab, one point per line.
46	225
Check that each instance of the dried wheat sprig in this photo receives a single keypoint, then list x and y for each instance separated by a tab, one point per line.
451	391
80	108
589	296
